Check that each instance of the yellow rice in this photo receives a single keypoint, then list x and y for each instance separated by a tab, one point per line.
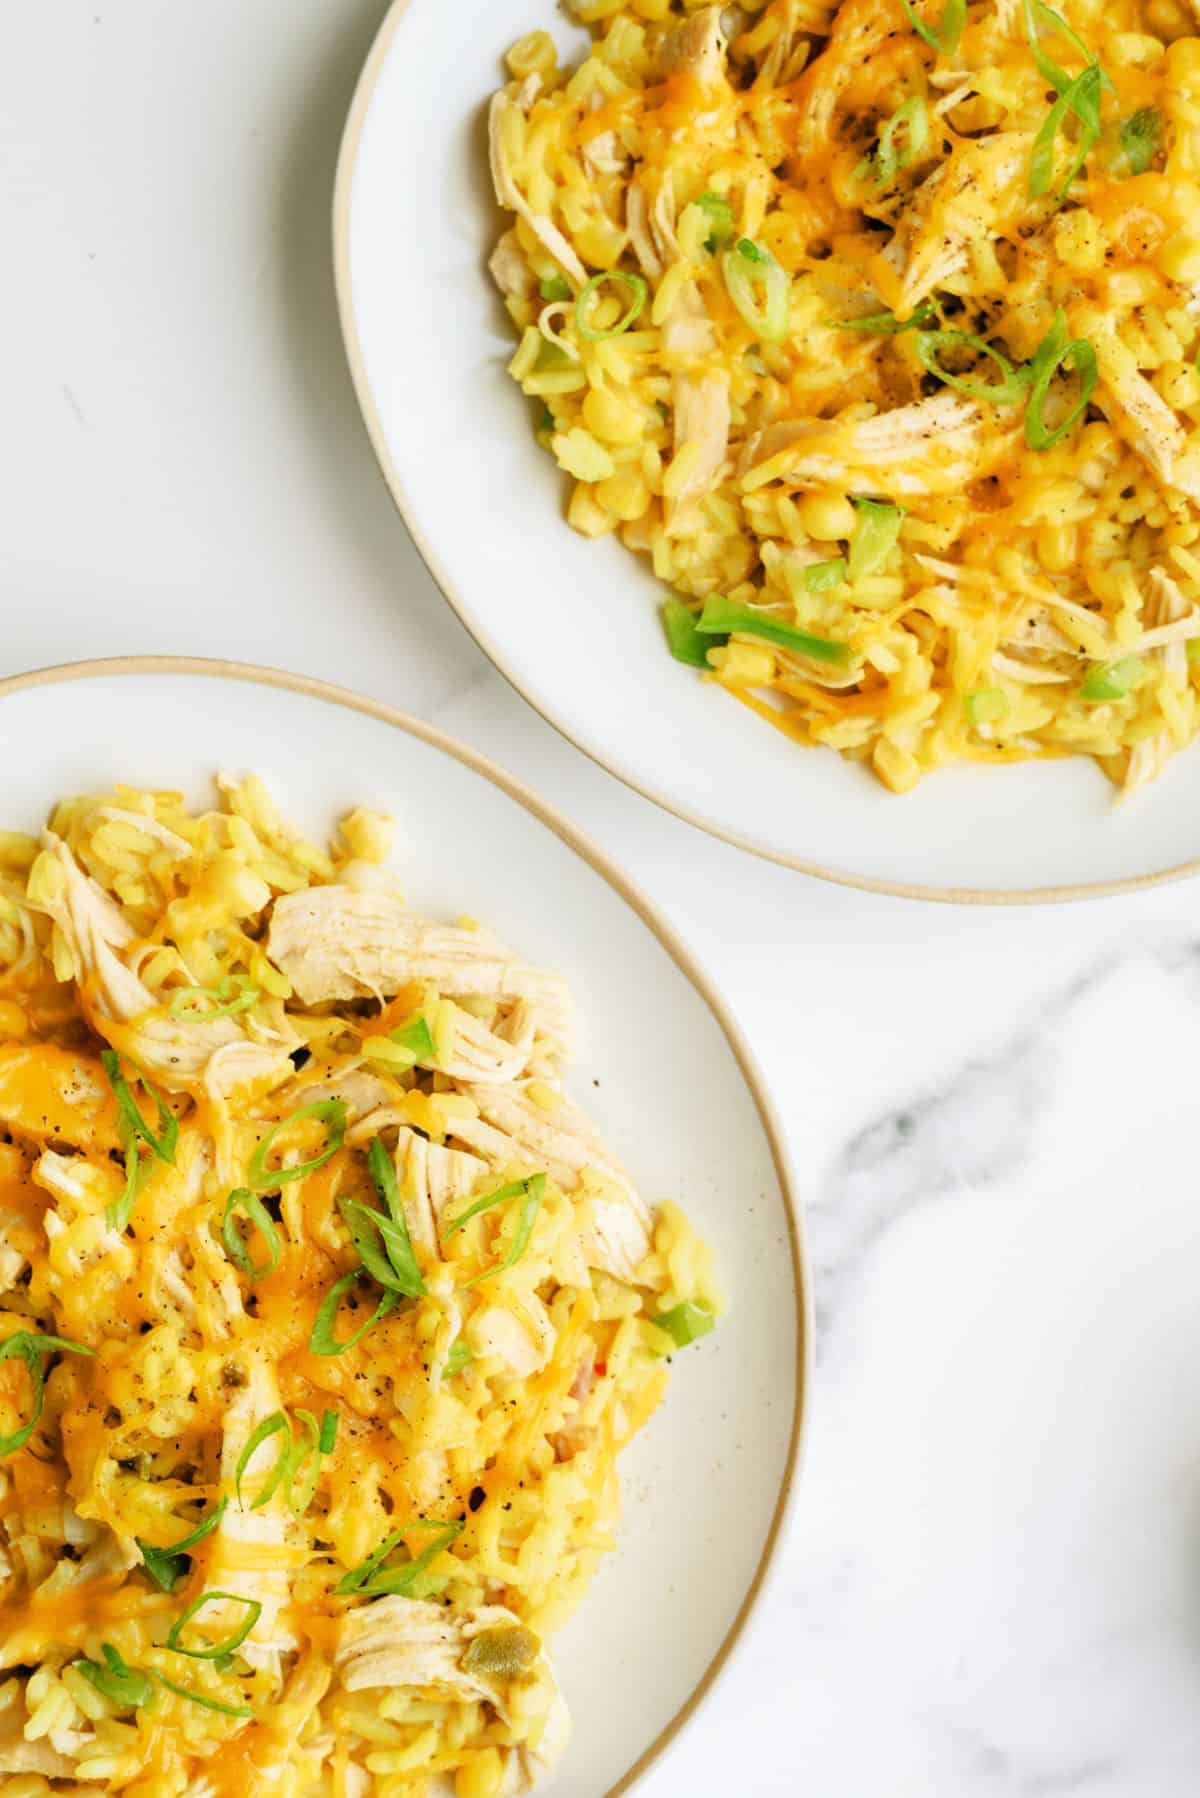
492	1475
1040	597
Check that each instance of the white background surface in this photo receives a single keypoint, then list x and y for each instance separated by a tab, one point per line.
992	1584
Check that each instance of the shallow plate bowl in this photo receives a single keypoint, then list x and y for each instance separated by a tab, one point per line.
574	624
659	1064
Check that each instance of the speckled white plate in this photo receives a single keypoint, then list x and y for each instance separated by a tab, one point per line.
574	624
660	1065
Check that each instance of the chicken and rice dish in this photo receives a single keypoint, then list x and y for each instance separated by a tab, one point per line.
874	326
324	1314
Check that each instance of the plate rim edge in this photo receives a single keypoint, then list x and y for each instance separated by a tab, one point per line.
347	164
684	958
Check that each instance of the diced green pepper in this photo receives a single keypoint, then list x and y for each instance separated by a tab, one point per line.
723	616
1113	680
683	640
986	706
686	1322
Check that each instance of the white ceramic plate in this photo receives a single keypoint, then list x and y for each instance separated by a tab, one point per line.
574	625
660	1065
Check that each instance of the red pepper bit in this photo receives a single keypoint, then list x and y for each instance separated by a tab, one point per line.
601	1369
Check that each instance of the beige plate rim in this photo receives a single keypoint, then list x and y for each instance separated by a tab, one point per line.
364	93
685	961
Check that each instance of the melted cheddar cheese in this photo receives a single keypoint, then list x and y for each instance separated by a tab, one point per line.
875	326
324	1314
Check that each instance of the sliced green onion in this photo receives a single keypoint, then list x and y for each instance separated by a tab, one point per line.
987	705
323	1337
683	640
886	323
405	1580
116	1680
536	1187
913	119
875	536
1005	392
356	1578
33	1348
220	1652
946	35
305	1457
461	1354
1036	13
242	1199
331	1112
1051	353
746	268
383	1172
235	993
1140	134
552	358
686	1322
719	213
167	1566
396	1240
1081	97
262	1432
638	290
513	1190
370	1581
1113	680
820	577
555	288
727	615
210	1704
384	1248
122	1684
416	1039
118	1214
363	1224
133	1124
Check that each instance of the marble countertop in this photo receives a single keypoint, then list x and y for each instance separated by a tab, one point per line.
991	1584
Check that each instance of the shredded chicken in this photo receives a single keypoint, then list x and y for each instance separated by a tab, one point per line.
249	1556
359	1091
509	269
637	221
697	48
565	1143
981	189
1141	414
20	1756
409	1644
859	29
333	943
931	447
700	402
508	194
524	1341
181	1052
1167	605
433	1181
